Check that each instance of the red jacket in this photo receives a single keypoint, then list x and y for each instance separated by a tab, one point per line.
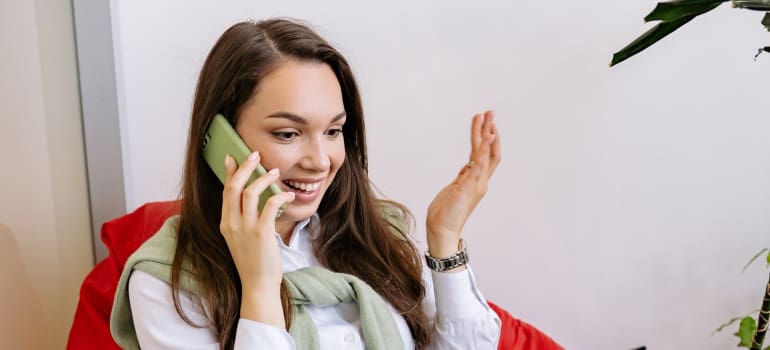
124	235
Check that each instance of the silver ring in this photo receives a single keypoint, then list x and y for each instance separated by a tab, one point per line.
469	164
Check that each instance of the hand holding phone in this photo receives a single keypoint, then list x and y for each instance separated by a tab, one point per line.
220	140
250	233
248	221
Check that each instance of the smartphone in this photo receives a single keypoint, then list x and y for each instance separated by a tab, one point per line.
221	139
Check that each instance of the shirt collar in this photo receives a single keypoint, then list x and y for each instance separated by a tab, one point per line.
306	227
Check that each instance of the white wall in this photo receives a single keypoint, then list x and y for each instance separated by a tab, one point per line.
628	198
45	242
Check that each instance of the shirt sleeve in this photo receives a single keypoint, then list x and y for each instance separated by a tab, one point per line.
159	326
461	317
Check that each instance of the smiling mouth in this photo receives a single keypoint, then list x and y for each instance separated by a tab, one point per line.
303	186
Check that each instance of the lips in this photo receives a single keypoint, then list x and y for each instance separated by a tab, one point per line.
303	186
306	191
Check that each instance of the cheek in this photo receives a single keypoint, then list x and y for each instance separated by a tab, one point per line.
277	157
337	156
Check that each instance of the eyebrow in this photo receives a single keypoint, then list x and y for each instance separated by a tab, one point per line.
299	120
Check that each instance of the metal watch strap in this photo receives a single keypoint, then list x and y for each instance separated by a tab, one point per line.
458	259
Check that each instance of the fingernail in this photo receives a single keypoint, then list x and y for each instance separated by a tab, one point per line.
228	160
254	155
273	171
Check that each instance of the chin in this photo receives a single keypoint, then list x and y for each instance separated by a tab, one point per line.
298	213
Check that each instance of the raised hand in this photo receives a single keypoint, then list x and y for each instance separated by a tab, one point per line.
453	205
251	238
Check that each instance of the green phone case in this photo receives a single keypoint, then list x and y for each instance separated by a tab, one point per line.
221	139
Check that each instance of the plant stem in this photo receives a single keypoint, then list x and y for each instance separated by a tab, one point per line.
757	5
764	314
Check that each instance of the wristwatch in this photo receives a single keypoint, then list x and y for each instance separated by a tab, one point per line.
458	259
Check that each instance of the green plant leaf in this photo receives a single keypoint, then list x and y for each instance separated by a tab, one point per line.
759	5
673	15
755	258
650	37
728	323
746	331
669	11
733	320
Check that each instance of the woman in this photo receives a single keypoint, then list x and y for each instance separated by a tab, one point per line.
225	275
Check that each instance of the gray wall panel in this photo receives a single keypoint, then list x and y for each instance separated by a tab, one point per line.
99	98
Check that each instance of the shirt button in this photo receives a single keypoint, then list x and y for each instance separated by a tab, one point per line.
349	337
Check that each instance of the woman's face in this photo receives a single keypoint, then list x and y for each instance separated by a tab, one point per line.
294	119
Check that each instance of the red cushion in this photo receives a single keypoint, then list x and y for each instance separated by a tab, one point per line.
122	236
519	335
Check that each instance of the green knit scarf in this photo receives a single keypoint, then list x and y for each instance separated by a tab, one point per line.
306	286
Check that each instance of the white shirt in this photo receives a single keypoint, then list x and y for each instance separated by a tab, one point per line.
459	315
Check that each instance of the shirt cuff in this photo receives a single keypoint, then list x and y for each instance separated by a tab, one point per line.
457	295
256	335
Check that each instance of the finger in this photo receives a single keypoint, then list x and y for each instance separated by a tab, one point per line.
494	154
488	127
480	155
229	203
244	171
476	124
251	194
234	183
489	133
480	126
270	211
229	167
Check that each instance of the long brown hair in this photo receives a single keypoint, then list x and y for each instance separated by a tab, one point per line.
354	236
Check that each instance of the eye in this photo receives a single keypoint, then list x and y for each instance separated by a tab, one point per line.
334	133
285	135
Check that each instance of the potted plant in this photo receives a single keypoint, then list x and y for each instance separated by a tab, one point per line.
672	15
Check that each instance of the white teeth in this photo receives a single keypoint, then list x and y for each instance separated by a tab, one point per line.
304	186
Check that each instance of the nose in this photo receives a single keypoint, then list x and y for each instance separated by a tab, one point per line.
315	156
